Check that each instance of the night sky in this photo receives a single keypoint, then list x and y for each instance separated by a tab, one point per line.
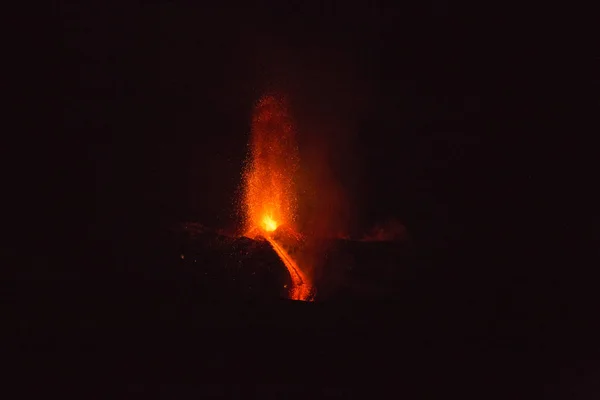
424	113
389	102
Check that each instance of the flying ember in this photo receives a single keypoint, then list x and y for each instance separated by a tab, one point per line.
269	193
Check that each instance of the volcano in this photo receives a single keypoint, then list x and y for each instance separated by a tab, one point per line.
269	202
269	256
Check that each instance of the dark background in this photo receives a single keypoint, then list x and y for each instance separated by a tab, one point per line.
393	97
445	116
432	114
437	114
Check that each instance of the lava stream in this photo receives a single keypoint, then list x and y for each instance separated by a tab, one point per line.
301	289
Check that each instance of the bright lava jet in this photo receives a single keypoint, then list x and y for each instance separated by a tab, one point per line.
269	224
269	194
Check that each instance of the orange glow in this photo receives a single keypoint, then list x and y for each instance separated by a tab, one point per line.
269	193
269	224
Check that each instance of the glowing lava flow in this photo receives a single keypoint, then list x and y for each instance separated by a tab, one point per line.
269	198
301	288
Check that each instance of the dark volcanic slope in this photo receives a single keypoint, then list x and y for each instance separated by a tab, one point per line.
353	269
225	266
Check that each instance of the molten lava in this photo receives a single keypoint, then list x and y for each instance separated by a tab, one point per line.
269	194
301	288
269	224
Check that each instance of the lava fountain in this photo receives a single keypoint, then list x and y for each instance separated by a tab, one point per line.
269	193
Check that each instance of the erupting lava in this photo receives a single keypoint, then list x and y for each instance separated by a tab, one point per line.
269	224
269	197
